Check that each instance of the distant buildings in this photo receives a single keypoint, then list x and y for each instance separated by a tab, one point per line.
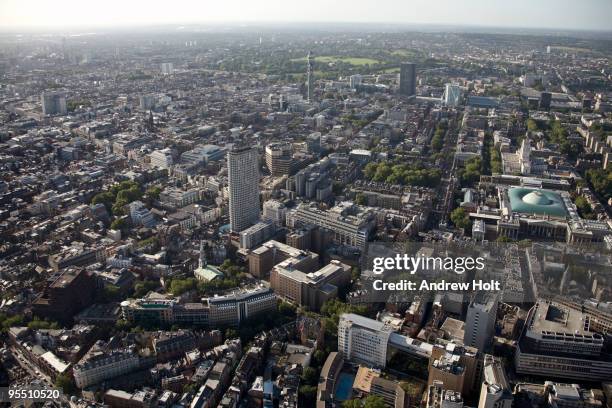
167	68
355	81
203	155
243	175
487	102
146	102
349	157
452	95
53	103
407	79
162	159
545	100
140	215
310	77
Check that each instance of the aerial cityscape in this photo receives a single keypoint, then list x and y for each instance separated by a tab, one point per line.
305	214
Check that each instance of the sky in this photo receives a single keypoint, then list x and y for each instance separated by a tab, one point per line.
59	14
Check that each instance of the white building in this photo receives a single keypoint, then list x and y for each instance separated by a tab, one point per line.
256	234
524	157
275	211
363	340
243	186
232	309
167	68
162	158
220	310
480	322
178	198
203	155
140	215
279	158
495	391
119	261
452	95
100	364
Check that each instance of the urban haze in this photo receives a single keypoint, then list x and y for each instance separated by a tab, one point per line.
193	196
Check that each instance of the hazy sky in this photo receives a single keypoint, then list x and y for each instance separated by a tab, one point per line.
568	14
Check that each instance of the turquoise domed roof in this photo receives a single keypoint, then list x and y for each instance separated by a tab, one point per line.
532	201
536	198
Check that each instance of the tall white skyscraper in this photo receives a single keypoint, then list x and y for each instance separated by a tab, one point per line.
243	175
480	322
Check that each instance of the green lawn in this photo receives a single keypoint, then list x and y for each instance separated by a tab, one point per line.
405	53
390	70
357	61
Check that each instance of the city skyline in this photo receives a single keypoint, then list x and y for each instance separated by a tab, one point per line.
543	14
307	207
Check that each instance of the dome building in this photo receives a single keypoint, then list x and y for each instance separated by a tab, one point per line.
537	201
533	208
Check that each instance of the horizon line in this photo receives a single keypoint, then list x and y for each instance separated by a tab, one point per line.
136	26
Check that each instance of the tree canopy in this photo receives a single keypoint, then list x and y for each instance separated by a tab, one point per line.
460	218
403	174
